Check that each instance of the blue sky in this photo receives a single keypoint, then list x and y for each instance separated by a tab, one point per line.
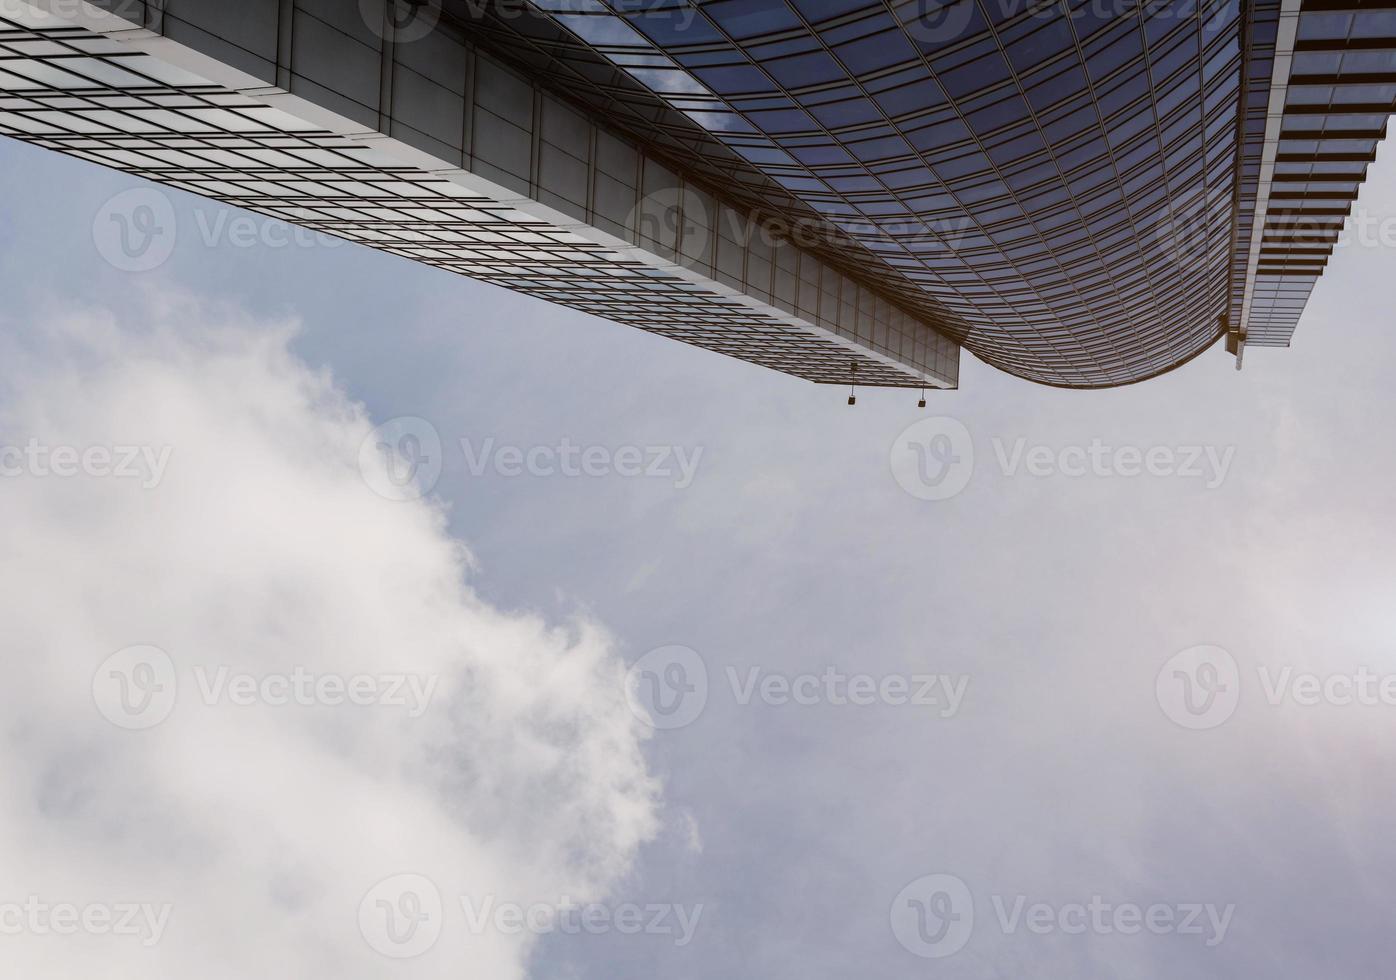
1055	600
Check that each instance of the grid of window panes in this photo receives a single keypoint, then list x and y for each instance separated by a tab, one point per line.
1341	92
79	93
546	52
1260	33
1056	180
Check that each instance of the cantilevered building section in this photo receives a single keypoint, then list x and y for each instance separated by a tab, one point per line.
1322	88
435	150
1084	193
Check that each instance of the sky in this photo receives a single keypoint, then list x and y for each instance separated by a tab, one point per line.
672	665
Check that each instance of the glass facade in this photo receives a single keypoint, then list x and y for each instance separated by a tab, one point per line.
1053	185
439	153
1330	94
1084	193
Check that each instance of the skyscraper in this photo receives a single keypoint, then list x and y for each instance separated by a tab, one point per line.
1084	194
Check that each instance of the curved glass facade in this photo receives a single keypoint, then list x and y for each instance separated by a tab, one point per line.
1057	182
1084	193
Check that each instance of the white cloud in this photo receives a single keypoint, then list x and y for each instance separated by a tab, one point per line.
262	550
